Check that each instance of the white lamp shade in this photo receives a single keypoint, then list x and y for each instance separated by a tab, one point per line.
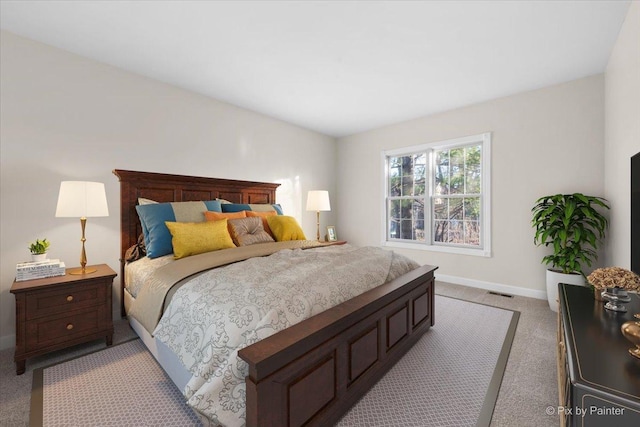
82	199
318	200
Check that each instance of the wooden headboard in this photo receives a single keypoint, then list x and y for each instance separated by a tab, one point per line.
178	188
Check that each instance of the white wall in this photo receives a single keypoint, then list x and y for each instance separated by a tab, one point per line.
545	141
65	117
622	134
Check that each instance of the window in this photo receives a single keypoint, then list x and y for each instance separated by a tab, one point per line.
437	196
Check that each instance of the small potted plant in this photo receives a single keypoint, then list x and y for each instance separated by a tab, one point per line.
573	226
38	250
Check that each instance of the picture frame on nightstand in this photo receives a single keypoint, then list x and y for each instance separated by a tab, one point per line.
332	236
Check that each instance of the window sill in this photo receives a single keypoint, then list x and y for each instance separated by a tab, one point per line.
432	248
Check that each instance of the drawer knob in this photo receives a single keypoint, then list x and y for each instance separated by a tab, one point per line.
70	298
70	326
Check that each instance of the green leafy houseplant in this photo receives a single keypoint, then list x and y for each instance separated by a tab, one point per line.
573	226
39	247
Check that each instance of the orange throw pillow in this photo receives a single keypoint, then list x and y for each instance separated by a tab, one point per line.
217	216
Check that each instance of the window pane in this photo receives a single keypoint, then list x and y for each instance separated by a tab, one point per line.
472	208
440	208
418	220
456	232
407	185
456	220
455	209
394	186
473	180
419	174
406	219
406	229
394	209
440	231
405	209
398	167
441	172
473	169
472	233
394	166
407	175
394	229
456	176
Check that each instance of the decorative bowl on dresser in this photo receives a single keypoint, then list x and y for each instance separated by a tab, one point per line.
598	380
58	312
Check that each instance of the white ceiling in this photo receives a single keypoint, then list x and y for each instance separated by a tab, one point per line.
338	68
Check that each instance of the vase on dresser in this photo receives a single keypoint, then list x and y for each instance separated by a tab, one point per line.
631	331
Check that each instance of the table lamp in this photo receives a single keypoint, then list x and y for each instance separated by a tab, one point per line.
82	199
318	200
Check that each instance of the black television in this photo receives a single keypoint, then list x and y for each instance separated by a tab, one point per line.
635	213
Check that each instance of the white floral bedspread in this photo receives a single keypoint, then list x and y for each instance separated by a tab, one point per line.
226	309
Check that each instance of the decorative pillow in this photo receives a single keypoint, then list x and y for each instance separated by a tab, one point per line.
285	228
248	231
143	201
192	238
256	207
136	251
217	216
264	216
157	238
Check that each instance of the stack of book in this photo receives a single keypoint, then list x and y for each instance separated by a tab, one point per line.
39	269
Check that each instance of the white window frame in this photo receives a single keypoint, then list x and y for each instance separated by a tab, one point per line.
485	197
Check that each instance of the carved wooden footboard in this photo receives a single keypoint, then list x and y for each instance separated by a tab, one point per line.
314	371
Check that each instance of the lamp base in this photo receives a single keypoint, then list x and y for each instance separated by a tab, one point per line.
80	271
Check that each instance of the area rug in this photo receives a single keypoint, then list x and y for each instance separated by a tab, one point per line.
451	377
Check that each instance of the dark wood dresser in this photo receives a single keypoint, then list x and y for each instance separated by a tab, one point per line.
59	312
598	380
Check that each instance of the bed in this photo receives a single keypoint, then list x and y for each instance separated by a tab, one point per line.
310	373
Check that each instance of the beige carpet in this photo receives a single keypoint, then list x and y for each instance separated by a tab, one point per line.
450	378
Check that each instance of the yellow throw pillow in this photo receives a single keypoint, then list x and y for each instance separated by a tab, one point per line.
192	238
285	228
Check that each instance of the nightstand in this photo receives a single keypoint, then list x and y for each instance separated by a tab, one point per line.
59	312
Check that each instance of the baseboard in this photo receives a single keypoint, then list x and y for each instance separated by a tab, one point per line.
7	341
496	287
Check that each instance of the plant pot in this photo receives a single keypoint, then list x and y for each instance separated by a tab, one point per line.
555	277
38	257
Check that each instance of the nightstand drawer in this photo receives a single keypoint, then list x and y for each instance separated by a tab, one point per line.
64	299
57	329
